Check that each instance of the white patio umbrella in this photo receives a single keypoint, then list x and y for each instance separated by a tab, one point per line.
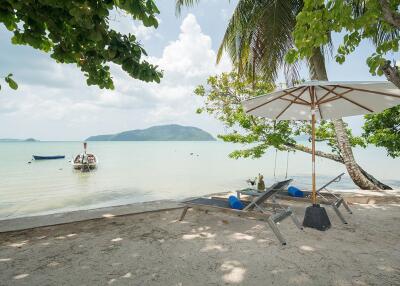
324	100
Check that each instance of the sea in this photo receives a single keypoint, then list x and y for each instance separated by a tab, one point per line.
131	172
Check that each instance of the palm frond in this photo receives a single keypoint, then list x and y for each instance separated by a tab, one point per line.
258	36
180	3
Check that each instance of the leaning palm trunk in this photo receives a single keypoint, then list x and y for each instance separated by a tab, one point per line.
360	177
347	153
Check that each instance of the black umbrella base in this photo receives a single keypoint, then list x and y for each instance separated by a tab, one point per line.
316	217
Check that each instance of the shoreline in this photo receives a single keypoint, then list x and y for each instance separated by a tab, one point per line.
32	222
60	218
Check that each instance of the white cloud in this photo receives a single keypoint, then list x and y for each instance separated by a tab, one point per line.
191	54
124	23
186	62
143	32
83	111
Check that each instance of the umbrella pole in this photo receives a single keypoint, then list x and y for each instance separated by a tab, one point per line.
314	194
315	216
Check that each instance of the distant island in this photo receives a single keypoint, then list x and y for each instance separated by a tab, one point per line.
172	132
18	140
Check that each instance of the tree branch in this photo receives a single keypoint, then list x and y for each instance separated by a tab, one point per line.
308	150
338	159
390	16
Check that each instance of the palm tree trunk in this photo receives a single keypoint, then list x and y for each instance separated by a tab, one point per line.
389	15
391	73
347	153
339	159
361	178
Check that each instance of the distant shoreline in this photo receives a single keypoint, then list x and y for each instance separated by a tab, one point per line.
18	140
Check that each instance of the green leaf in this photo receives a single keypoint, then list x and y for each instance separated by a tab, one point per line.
11	83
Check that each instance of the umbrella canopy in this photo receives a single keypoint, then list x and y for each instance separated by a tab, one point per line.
332	100
323	100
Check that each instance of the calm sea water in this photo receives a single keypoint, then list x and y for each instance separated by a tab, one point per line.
143	171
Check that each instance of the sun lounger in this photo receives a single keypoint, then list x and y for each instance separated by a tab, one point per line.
327	198
253	209
277	187
332	199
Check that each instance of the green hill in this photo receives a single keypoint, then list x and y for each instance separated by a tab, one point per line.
171	132
18	140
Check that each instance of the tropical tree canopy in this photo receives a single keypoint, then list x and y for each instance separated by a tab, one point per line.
356	20
383	130
374	20
78	32
223	95
258	36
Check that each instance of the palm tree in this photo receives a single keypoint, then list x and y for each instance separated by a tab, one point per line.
257	38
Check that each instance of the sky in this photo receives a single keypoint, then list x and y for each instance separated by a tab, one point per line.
53	101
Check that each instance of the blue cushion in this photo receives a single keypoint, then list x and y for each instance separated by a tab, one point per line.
295	192
235	203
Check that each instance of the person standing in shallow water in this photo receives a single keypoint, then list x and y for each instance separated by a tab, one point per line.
261	184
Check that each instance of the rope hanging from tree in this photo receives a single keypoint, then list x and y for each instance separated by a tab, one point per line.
287	164
276	155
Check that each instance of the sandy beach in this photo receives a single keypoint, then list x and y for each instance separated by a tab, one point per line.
206	249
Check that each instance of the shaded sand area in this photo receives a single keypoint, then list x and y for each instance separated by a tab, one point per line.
206	249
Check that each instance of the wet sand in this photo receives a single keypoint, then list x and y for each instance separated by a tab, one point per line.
206	249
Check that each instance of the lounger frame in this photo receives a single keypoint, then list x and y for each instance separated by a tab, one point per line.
327	198
255	209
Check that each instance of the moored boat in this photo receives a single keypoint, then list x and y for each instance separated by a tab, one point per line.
37	157
85	161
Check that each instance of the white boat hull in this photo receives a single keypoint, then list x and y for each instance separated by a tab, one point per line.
85	162
83	166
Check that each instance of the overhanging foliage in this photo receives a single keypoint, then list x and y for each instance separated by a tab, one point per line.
383	130
357	20
78	32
